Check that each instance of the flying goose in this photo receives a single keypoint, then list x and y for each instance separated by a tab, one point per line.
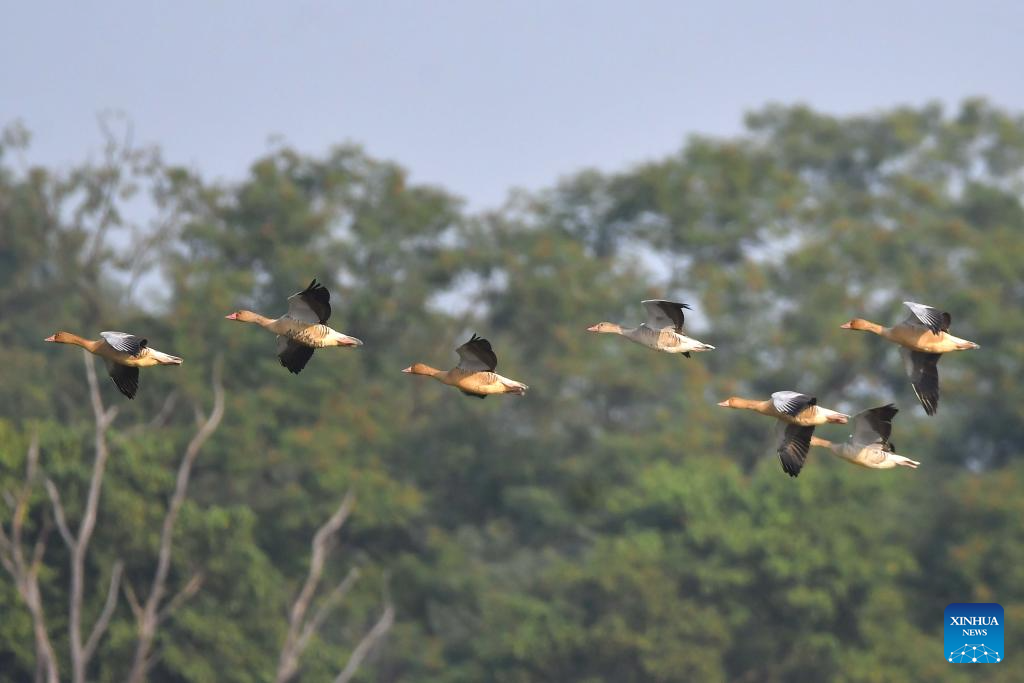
662	331
799	413
124	354
474	375
870	445
303	328
923	337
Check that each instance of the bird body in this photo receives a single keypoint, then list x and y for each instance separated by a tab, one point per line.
924	336
800	413
913	337
869	445
124	354
871	457
662	331
303	328
477	383
474	375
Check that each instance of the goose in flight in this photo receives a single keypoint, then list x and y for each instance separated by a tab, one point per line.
124	354
870	444
662	331
474	375
800	414
923	336
303	328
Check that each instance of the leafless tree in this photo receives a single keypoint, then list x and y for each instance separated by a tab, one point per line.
301	629
154	611
25	571
78	542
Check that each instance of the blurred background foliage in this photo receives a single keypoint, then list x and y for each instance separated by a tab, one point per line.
614	525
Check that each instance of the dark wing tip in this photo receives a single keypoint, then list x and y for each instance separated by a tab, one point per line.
886	412
925	380
793	449
295	356
481	348
126	379
318	298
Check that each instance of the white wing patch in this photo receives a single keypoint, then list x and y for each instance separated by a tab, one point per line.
124	342
791	402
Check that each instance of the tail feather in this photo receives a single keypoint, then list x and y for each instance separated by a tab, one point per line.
515	388
906	462
165	358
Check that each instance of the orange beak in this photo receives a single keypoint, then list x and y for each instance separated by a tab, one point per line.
233	316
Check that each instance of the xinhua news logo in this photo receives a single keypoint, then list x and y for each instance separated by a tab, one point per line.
973	633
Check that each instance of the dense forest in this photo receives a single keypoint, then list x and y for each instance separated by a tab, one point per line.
614	524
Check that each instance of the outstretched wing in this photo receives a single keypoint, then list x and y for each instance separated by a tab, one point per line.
292	354
126	378
932	318
792	402
874	426
124	342
312	305
662	314
796	441
923	370
476	355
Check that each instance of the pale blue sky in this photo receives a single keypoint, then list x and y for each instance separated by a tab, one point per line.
479	96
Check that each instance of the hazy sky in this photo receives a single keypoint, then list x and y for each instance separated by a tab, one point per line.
474	95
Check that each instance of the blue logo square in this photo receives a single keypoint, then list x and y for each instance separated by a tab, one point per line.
973	633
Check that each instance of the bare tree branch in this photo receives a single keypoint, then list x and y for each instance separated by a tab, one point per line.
79	545
291	651
58	513
379	630
133	601
26	574
149	619
326	605
100	627
182	596
116	154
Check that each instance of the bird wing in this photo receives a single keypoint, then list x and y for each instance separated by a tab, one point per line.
923	370
292	354
662	314
932	318
476	355
793	447
125	377
874	426
792	402
312	305
124	342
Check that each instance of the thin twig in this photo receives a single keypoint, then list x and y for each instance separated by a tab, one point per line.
58	513
326	605
100	627
379	630
178	599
